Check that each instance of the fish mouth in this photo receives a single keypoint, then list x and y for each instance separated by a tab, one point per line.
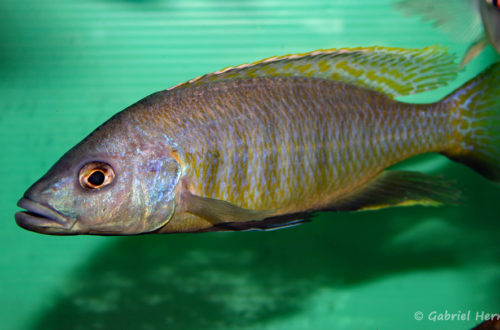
43	219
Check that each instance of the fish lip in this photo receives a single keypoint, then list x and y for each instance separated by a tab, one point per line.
43	219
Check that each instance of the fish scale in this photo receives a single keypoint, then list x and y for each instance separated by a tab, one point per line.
305	172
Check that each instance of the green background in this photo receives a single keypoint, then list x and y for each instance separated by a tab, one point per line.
66	66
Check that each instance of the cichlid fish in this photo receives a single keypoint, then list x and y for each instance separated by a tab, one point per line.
491	324
475	21
264	145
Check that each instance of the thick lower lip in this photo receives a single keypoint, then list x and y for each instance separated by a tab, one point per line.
42	219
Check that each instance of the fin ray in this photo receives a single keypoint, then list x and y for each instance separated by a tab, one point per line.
219	211
268	224
393	71
400	188
460	19
474	50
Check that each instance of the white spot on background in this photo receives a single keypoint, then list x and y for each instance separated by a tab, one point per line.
324	26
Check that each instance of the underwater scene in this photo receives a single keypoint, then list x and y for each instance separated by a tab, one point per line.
68	66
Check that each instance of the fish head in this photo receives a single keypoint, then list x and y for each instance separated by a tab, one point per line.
490	15
110	184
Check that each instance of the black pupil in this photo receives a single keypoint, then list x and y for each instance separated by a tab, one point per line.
96	178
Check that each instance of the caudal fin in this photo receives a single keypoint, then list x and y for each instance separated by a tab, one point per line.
476	116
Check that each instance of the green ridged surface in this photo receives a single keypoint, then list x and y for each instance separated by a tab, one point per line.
66	66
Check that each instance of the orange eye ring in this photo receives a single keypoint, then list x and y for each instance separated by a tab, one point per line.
96	175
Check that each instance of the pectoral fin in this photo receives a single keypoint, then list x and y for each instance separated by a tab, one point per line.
400	188
219	211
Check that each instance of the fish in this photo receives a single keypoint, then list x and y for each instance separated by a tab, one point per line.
268	145
473	21
492	324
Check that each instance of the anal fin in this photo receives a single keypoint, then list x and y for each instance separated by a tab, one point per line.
400	188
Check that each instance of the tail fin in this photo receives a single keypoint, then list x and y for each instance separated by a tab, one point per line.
477	120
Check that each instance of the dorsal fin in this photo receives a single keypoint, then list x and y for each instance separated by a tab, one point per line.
393	71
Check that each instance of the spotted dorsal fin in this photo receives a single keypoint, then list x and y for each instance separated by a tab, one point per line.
393	71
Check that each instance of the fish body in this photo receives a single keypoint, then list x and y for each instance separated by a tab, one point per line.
263	146
474	21
291	144
491	324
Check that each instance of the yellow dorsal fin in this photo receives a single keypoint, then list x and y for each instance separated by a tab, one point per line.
393	71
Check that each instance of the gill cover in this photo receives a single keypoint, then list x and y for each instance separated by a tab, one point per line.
158	178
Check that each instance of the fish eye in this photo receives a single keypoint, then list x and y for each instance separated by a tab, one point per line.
95	175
